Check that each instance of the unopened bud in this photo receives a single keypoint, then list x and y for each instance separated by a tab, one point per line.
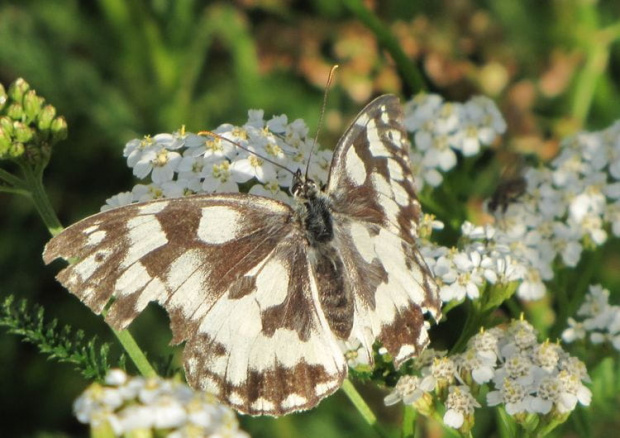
6	125
15	111
3	97
5	144
59	129
46	117
32	105
16	150
22	132
18	89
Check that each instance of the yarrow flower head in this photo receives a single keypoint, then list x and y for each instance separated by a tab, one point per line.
124	405
443	129
479	262
255	156
598	320
460	405
521	374
553	214
189	163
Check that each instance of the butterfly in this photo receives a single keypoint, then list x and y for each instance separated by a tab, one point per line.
265	295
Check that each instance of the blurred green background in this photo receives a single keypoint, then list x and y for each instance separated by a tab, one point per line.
118	70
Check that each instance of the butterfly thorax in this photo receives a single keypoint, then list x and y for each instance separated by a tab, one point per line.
314	213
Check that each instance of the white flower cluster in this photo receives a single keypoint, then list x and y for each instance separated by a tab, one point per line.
132	404
523	375
184	163
565	207
479	261
599	321
441	129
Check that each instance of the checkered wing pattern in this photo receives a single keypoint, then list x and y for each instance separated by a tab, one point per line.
266	296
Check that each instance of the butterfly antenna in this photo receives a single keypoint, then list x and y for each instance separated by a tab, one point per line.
330	78
220	137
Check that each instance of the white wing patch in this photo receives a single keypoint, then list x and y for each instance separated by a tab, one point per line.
88	266
96	238
375	144
389	250
293	401
151	208
396	170
187	280
401	196
355	168
145	235
272	284
132	280
219	225
363	243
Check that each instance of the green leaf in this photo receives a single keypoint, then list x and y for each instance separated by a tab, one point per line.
61	343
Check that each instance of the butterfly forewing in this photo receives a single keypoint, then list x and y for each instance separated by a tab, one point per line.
232	272
263	300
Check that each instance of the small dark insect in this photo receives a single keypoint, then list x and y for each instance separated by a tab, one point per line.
506	193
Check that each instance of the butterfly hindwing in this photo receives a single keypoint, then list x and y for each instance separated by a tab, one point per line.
232	272
376	213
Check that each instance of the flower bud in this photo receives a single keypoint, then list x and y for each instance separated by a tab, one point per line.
22	132
46	117
32	105
3	97
16	150
5	144
15	111
59	129
18	89
103	429
6	125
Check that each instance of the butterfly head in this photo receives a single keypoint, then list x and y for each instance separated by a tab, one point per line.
304	188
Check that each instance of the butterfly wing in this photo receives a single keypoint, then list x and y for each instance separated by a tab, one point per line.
233	274
376	214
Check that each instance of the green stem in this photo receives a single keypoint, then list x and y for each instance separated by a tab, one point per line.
362	407
597	48
408	424
474	316
12	180
134	352
13	191
34	183
407	69
596	65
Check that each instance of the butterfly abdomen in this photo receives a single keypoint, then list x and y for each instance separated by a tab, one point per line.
334	294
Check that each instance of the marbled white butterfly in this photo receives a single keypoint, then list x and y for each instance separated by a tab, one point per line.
265	295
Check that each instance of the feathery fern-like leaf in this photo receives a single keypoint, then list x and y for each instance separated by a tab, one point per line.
63	344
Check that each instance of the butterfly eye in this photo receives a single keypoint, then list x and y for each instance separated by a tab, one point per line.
298	189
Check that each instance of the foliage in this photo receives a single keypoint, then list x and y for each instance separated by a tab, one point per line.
61	343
